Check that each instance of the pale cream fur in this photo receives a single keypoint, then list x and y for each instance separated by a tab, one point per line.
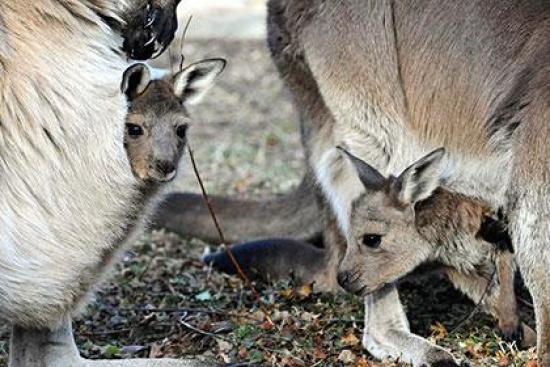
67	188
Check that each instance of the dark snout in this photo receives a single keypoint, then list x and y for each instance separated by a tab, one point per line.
164	170
344	279
166	167
350	282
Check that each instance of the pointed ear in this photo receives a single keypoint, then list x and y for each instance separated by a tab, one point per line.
369	176
192	83
135	80
419	180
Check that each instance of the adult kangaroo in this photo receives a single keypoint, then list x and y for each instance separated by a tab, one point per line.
392	80
68	198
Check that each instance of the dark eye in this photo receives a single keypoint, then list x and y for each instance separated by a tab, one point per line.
371	240
181	131
134	130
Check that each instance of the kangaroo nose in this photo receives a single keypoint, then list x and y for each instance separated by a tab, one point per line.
343	279
165	167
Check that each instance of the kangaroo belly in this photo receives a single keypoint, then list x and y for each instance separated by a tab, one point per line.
360	75
67	194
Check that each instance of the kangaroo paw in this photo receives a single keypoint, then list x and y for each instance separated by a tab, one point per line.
529	337
511	335
150	29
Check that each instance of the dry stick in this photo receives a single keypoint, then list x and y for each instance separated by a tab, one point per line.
222	238
170	60
183	35
477	306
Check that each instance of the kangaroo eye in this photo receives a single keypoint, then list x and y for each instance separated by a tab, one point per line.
181	131
371	240
134	130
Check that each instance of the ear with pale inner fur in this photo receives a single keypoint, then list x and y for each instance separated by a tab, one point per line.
135	80
369	176
419	180
192	83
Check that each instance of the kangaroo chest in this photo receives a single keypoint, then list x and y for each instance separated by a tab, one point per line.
377	87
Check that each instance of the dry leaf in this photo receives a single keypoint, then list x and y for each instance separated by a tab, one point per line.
266	325
438	331
305	290
346	356
243	352
349	339
319	354
309	316
156	351
503	361
224	346
286	293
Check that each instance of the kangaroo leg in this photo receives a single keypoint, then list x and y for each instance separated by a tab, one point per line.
499	299
56	348
530	229
506	303
387	333
529	208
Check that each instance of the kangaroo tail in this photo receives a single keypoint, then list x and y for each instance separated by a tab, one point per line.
293	215
277	259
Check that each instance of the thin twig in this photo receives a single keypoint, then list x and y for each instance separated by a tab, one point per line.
193	310
184	323
183	35
526	303
222	238
170	60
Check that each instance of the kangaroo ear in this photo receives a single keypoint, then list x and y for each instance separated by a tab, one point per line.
192	83
419	180
369	176
135	80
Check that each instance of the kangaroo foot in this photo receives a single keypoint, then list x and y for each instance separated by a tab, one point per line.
387	333
523	335
529	337
47	348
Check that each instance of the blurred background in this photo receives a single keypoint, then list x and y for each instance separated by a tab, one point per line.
245	132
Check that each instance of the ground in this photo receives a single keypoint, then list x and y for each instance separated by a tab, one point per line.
162	301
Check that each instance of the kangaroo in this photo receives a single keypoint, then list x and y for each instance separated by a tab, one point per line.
69	198
157	121
391	80
403	222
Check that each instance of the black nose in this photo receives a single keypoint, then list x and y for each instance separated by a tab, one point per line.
344	279
165	167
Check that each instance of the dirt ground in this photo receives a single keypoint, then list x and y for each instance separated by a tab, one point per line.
162	301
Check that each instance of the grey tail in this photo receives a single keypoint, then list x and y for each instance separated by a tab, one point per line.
292	215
